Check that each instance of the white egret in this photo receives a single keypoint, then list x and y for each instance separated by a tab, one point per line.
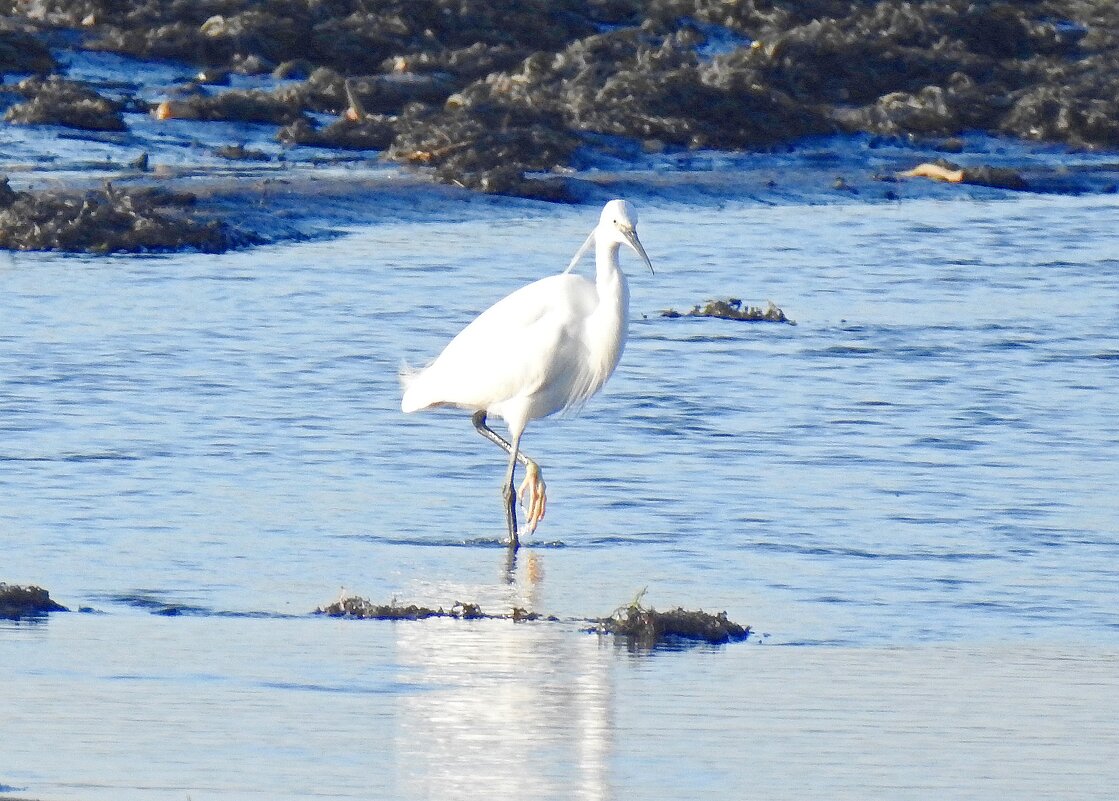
547	347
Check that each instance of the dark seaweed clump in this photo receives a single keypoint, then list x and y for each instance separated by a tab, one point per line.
19	602
353	36
364	609
646	628
733	309
369	133
243	105
55	101
505	95
110	220
640	626
22	51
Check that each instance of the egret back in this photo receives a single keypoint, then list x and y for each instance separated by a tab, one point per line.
531	340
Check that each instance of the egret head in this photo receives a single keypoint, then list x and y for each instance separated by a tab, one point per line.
616	224
618	212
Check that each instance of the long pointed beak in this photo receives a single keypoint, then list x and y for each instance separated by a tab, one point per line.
635	243
582	251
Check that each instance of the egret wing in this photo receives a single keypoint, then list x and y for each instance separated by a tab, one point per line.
525	341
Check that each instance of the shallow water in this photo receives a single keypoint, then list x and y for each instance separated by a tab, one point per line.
220	708
912	489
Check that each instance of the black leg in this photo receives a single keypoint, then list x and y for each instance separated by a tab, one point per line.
508	493
479	421
532	487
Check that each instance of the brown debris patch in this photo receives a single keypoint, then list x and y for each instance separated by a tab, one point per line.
641	627
388	94
488	147
248	105
239	152
110	220
20	51
734	309
646	627
19	602
369	133
363	609
56	101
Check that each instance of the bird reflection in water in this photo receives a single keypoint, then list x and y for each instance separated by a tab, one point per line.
504	710
533	568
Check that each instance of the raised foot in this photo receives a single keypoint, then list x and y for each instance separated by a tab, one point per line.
533	496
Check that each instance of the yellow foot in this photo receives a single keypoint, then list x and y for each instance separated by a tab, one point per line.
533	496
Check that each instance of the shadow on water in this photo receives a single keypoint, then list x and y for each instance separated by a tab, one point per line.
159	602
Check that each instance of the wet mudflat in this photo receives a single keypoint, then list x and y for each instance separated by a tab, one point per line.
514	98
907	496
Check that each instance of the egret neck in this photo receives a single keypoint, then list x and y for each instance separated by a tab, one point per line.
607	325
